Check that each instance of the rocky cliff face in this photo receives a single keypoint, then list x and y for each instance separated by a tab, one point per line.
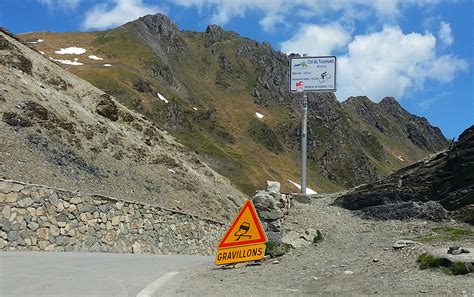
445	179
59	130
215	82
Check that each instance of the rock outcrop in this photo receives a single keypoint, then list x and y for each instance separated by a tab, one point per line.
427	189
271	206
215	34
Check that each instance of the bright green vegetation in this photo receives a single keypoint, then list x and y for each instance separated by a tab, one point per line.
469	218
426	261
276	249
446	234
318	237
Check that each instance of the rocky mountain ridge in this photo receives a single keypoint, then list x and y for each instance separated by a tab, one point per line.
214	83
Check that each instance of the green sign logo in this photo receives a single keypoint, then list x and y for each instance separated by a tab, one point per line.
302	65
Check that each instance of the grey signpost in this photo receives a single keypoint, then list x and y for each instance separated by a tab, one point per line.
310	74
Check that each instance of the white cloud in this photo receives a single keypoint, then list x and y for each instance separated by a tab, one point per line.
270	20
115	13
387	7
445	68
426	104
317	40
62	4
390	63
445	33
277	11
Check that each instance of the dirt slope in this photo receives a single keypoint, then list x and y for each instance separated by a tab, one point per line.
59	130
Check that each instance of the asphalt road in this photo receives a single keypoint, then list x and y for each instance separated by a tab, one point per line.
90	274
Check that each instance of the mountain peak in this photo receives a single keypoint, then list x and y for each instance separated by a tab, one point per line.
355	99
214	30
389	101
215	34
161	24
161	34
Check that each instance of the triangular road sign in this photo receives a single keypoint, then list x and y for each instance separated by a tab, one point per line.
245	230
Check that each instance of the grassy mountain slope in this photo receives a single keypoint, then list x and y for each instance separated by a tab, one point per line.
216	81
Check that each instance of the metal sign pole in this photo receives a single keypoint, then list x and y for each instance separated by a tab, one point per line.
303	143
310	74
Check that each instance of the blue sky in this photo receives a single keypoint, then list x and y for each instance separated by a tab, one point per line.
420	52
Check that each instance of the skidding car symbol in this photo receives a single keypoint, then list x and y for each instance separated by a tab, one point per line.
243	228
324	77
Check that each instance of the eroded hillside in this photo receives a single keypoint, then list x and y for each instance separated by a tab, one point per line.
59	130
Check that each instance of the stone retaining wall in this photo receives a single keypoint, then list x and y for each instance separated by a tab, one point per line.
39	218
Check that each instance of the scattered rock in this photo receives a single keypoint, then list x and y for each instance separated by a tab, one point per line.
75	200
399	244
348	272
301	198
262	200
33	226
107	107
136	248
271	214
3	243
295	239
16	120
35	110
115	220
25	202
11	197
273	188
142	86
240	265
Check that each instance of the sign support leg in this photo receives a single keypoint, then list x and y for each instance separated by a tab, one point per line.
304	143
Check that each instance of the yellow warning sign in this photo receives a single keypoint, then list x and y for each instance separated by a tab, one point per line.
246	229
240	254
244	240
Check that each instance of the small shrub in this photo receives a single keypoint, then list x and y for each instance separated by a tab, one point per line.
426	260
458	268
276	249
469	218
318	237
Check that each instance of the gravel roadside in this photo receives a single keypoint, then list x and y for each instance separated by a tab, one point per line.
342	264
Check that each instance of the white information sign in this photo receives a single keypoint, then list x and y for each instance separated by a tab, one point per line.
313	74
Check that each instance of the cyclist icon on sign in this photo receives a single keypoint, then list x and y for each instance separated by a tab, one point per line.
324	77
243	229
